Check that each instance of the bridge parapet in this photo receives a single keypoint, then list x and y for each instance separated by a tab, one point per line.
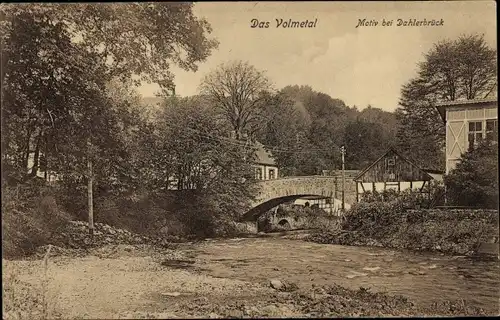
277	191
305	185
327	186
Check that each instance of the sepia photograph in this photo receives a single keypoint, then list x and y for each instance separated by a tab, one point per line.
215	160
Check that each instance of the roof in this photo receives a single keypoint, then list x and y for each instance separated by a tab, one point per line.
433	171
263	156
436	176
462	102
441	106
382	156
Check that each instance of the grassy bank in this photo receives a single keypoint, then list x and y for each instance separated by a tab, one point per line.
387	224
36	214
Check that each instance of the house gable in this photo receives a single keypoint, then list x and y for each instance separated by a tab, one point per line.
263	157
392	167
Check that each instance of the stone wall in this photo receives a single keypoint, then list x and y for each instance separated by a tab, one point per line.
350	189
327	186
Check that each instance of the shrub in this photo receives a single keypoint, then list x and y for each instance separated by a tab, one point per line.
409	199
30	215
474	181
390	224
371	218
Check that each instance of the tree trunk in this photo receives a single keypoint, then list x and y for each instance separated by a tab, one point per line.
90	181
45	158
36	156
27	151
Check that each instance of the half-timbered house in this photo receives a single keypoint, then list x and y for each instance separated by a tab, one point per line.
391	171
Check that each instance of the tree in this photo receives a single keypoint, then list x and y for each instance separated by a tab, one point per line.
323	121
386	119
238	90
140	39
280	131
213	174
474	181
51	88
364	142
57	62
464	68
307	127
57	59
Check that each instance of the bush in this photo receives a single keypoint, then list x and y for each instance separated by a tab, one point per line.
474	181
409	199
372	218
389	224
31	215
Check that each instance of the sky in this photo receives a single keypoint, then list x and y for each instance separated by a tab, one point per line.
362	66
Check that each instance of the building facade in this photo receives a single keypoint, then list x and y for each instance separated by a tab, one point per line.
264	164
467	122
391	171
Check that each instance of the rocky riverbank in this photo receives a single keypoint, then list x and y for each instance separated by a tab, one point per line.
134	281
122	275
456	232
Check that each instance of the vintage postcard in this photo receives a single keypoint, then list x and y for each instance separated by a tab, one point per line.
249	159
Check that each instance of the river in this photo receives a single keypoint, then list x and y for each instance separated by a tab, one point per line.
424	278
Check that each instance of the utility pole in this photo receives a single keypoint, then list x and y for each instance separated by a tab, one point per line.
342	151
90	180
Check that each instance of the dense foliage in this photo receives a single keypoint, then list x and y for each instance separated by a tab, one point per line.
465	68
67	104
474	181
430	195
306	128
57	60
389	224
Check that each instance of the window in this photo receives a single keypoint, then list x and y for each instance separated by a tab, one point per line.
258	173
271	174
479	130
475	133
492	130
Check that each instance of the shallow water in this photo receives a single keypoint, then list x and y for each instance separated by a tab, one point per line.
424	278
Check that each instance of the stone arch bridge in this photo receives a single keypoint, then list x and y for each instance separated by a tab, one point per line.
278	191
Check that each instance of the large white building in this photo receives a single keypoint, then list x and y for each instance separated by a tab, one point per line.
467	122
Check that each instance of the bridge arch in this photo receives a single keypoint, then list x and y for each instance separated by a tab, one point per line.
278	191
258	210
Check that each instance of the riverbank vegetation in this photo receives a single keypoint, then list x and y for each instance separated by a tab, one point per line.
397	224
294	217
474	182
